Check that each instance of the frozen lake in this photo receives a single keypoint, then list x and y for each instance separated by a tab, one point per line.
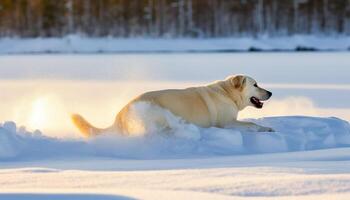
40	91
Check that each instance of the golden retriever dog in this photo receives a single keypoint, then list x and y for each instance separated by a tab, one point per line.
213	105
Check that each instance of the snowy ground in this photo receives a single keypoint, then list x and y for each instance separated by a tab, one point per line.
78	44
220	164
307	157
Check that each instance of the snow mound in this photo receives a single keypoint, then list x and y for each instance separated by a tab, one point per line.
295	133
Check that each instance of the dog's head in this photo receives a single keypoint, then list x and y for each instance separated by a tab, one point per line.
249	91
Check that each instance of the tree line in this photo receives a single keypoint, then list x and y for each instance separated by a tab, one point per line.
173	18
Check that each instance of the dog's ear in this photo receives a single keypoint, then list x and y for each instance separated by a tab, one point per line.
238	81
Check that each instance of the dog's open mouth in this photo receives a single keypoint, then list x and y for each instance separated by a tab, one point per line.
256	102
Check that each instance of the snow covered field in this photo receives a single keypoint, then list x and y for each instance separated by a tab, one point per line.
307	157
172	167
79	44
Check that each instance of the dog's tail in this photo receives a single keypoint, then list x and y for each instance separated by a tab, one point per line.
85	127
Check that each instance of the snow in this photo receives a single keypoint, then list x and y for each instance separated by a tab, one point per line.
79	44
306	158
183	141
222	163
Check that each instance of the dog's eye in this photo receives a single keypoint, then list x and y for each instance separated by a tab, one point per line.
255	85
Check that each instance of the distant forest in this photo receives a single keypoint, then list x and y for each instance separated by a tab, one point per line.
173	18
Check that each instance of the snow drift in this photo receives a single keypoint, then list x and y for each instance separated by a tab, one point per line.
297	133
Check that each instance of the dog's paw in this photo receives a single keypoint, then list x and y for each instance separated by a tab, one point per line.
265	129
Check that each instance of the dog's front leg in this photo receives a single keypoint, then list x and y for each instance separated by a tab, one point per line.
249	126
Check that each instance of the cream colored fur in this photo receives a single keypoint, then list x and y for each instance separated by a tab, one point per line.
216	104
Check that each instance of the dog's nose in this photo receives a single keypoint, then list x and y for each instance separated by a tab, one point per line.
269	93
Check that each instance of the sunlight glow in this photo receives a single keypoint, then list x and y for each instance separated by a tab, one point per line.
39	113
